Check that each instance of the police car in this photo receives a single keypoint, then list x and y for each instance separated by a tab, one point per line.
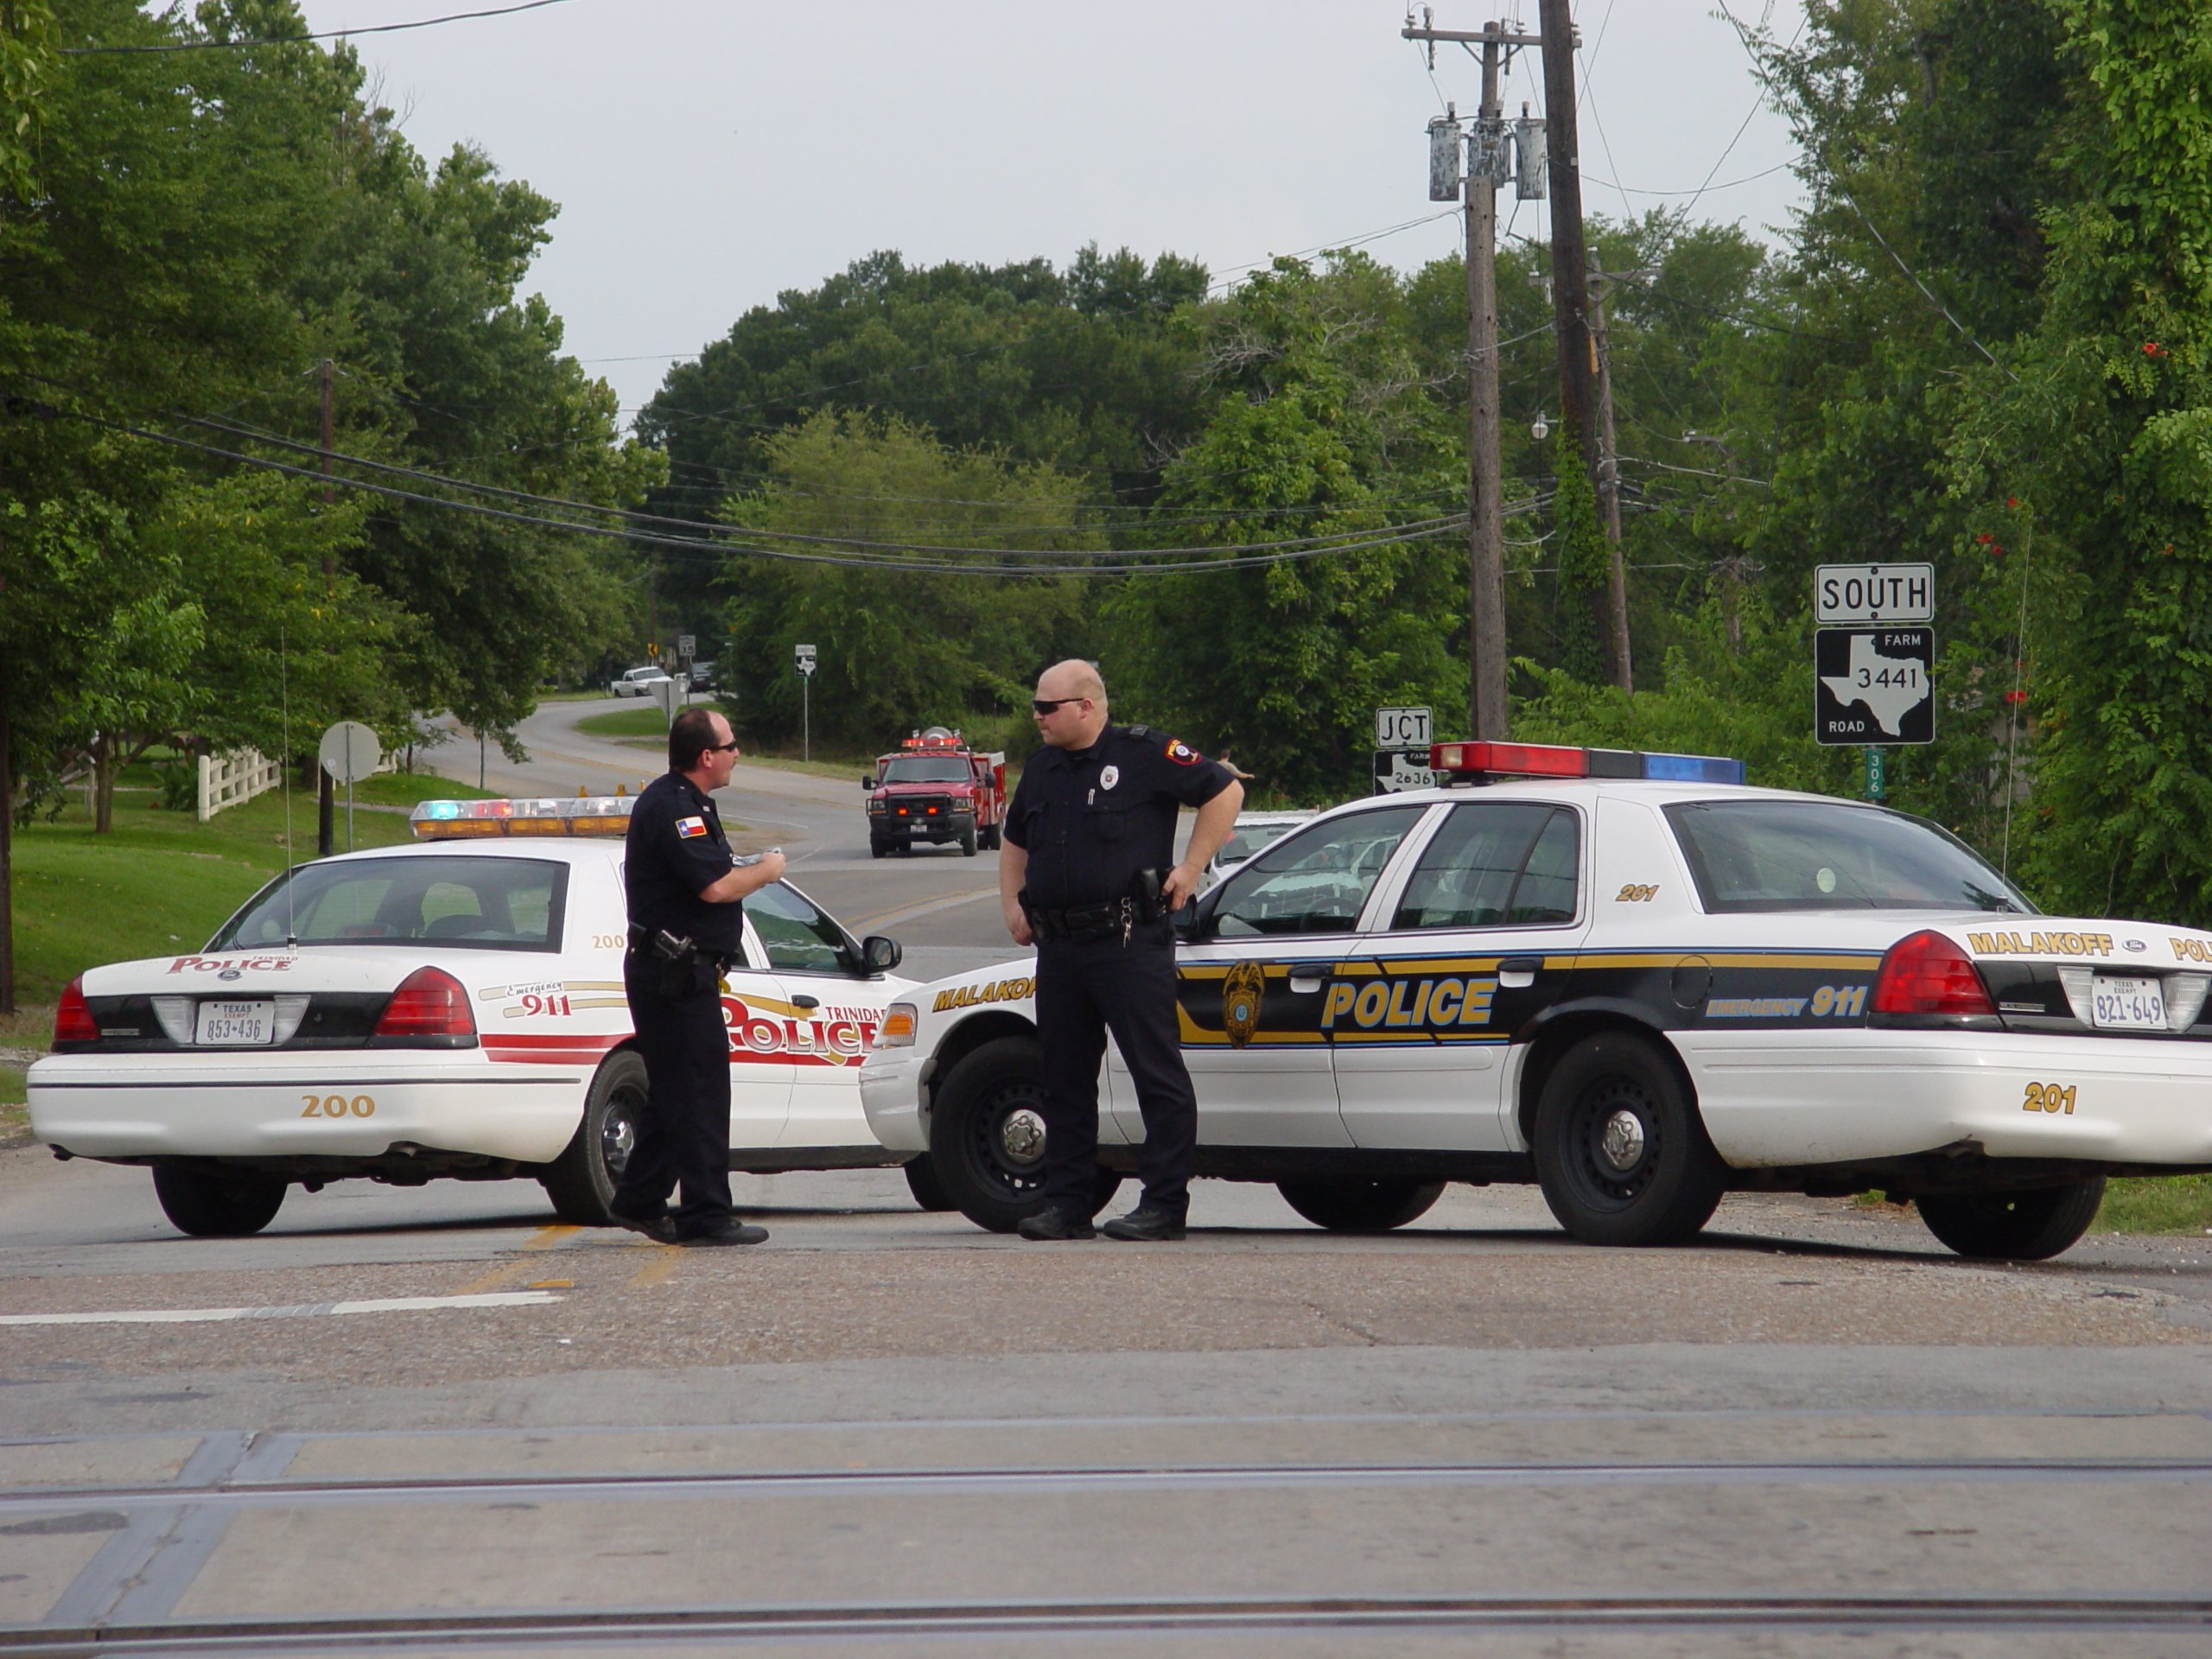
1634	981
449	1008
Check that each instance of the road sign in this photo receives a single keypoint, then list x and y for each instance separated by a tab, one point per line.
802	659
1401	728
1873	685
671	694
687	645
349	752
1864	593
1402	769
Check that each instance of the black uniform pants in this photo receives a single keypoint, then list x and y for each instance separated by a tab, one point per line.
684	1132
1083	992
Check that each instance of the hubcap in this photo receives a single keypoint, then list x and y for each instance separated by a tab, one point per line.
1623	1140
1021	1136
618	1137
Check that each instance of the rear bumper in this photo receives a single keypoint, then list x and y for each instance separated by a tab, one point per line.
350	1105
1772	1099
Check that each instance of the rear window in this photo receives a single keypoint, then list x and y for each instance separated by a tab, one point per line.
1753	855
477	904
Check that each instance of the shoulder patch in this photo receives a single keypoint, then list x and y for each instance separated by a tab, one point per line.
1182	754
1140	732
689	829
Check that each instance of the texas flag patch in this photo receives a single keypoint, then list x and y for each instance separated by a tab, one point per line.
1182	754
689	829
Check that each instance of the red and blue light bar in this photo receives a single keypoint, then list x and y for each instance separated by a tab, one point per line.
1468	760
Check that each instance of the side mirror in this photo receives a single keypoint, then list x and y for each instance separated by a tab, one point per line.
867	781
879	955
1190	921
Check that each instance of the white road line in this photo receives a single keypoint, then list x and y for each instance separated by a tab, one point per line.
303	1310
929	906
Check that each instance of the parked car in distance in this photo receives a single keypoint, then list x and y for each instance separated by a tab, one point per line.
637	681
702	675
1251	832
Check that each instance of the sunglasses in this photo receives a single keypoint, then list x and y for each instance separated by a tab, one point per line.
1045	705
729	748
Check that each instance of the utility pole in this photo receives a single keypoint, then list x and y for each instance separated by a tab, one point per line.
325	807
1487	710
1608	474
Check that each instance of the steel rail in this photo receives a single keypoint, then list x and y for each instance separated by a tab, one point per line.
1046	1621
281	1493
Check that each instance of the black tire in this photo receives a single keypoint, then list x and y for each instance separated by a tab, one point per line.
968	841
928	1191
581	1180
877	848
987	1136
209	1201
2031	1226
991	841
1621	1153
1356	1206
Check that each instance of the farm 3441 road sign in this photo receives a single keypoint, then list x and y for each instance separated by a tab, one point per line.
1873	685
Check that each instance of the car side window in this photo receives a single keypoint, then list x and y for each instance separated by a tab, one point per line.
1468	872
1547	889
1315	882
798	937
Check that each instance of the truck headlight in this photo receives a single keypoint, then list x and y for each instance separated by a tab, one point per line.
897	1030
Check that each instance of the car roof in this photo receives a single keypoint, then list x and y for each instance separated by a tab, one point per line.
1593	789
563	850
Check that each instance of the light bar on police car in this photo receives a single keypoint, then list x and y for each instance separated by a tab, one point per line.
1469	761
587	815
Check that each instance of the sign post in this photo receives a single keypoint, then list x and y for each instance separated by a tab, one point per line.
1873	659
802	659
348	750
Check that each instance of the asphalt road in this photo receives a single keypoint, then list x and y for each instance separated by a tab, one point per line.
434	1420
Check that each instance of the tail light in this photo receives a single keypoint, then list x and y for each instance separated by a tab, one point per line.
72	1017
1926	973
429	1002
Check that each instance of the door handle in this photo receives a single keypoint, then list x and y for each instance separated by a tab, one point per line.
1306	980
802	1001
1517	972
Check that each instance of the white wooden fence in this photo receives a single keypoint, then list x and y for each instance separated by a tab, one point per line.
232	778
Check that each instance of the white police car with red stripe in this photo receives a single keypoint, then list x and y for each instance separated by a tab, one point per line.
1634	980
452	1008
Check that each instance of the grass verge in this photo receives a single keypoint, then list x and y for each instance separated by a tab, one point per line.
2163	1204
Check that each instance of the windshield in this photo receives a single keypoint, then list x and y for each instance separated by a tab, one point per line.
476	904
1249	838
925	769
1749	855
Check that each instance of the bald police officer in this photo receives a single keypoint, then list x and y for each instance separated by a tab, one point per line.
1087	874
686	923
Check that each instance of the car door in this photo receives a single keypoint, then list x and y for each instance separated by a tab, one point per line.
760	1015
1251	987
827	1009
1421	1008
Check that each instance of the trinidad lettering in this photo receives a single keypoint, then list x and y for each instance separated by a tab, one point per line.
2040	945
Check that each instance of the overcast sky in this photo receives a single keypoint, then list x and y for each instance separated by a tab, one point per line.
708	154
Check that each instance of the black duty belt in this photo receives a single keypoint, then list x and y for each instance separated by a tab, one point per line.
1112	918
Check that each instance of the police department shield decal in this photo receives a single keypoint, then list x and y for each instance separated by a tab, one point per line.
1240	1003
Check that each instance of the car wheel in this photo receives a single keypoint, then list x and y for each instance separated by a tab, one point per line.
876	848
581	1180
928	1191
2031	1226
987	1137
1360	1206
968	841
991	842
209	1201
1621	1153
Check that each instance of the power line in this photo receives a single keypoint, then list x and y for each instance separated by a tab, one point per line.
294	40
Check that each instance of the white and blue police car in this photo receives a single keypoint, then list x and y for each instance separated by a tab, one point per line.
448	1009
1634	980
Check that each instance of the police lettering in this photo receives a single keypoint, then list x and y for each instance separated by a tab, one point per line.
2190	950
2040	945
1398	1004
216	964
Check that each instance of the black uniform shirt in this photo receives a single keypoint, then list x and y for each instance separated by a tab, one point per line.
674	851
1090	819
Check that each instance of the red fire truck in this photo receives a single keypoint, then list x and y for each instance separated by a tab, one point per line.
933	787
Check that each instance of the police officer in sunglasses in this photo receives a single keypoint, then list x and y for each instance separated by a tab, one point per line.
1087	874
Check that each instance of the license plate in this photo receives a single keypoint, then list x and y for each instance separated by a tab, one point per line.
2126	1003
235	1024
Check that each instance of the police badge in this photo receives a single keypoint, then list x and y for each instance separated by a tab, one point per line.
1240	1003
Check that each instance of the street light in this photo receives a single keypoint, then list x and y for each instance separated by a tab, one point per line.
1540	428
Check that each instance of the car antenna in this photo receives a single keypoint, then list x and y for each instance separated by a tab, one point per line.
284	689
